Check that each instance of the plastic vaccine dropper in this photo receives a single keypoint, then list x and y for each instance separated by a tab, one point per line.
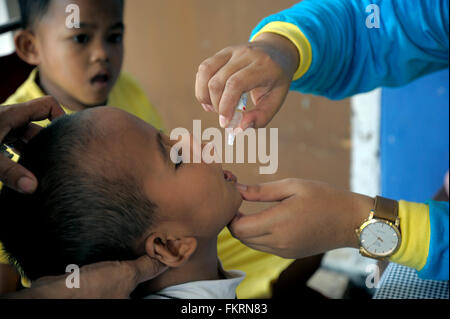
237	117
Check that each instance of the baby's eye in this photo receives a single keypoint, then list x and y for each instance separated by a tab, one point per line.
81	38
115	38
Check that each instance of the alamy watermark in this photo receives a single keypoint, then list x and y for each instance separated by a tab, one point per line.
257	146
373	277
73	19
373	19
73	279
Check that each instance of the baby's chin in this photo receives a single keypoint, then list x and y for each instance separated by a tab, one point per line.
237	202
236	196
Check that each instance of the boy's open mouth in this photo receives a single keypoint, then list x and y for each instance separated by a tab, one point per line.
229	177
101	80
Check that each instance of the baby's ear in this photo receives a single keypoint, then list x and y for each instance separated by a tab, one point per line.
173	252
26	48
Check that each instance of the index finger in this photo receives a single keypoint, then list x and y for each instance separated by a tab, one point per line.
269	192
18	115
206	71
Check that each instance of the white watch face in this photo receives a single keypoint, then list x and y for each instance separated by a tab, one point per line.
379	238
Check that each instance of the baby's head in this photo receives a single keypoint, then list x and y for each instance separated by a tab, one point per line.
78	65
109	191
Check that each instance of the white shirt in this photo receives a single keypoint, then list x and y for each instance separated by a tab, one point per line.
205	289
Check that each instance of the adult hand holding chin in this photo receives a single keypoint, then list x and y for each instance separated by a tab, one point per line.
308	218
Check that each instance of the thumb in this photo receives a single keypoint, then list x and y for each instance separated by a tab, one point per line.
266	107
147	268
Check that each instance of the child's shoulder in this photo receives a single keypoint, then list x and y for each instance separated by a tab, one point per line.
128	95
126	81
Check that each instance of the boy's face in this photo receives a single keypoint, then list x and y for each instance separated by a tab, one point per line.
84	63
192	199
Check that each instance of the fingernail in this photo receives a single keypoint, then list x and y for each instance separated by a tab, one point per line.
26	185
223	121
241	187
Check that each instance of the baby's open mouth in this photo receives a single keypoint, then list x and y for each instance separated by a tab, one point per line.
229	177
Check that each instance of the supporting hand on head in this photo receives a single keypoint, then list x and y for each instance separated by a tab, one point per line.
104	280
15	129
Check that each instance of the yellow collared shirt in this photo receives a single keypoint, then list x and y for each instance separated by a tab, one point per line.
126	95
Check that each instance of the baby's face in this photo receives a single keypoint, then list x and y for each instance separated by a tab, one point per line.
84	62
193	199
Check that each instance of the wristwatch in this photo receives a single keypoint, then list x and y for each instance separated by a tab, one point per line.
379	235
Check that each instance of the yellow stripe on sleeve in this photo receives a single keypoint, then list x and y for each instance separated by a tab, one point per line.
415	230
296	36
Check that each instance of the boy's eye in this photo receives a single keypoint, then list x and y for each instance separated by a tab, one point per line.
81	38
115	38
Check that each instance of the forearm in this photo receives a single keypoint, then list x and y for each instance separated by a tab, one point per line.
349	58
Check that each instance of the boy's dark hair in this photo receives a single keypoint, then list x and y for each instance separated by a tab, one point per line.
78	215
32	10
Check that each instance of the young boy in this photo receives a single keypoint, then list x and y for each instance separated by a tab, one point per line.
81	67
108	190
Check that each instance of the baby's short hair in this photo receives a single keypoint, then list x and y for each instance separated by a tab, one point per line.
78	215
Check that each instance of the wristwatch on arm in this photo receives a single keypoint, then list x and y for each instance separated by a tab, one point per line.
379	235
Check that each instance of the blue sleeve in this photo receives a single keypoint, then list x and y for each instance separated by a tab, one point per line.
437	262
350	58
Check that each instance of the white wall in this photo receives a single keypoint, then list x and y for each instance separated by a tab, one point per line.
6	40
365	159
364	176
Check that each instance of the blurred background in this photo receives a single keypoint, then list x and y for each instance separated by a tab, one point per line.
346	143
167	40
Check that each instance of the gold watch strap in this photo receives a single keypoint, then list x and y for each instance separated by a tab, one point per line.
386	209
